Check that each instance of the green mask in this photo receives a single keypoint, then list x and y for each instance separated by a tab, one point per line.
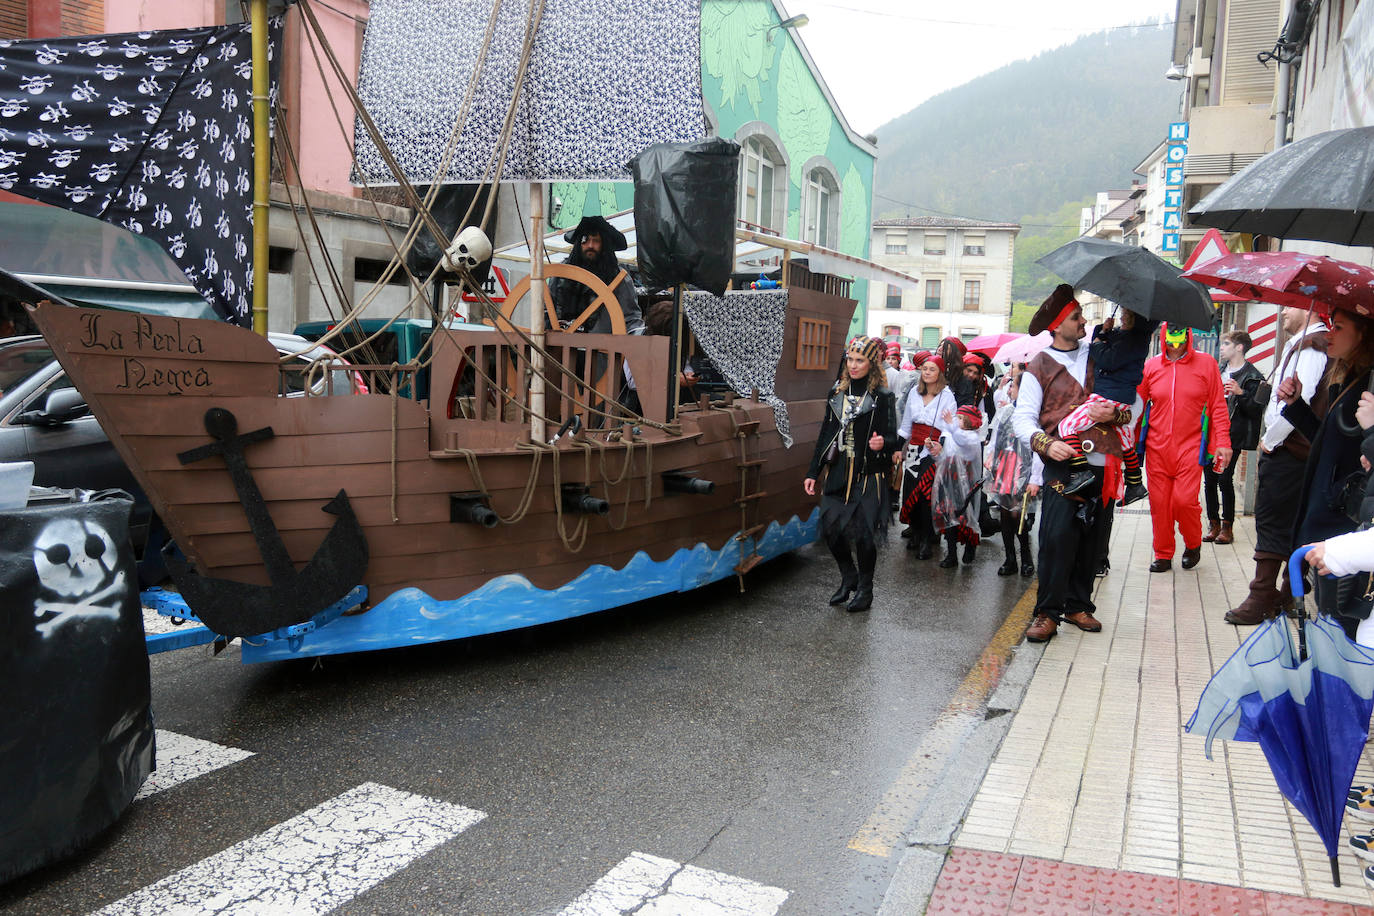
1176	338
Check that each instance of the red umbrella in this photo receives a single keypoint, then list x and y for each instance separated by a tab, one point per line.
989	344
1307	281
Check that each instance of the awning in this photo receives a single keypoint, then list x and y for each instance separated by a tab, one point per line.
750	246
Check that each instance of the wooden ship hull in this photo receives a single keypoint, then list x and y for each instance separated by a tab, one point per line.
404	465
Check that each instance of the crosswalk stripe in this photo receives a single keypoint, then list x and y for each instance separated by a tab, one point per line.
181	757
652	886
310	864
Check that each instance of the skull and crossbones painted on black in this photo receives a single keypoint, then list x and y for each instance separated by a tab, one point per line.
76	562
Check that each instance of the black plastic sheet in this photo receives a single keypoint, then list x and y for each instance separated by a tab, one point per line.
448	209
78	741
685	195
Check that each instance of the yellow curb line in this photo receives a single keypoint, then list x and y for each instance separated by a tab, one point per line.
892	816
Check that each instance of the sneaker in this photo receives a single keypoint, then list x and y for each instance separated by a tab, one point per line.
1078	482
1358	792
1369	877
1134	493
1362	845
1362	808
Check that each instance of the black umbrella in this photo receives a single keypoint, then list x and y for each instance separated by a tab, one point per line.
1320	187
1133	278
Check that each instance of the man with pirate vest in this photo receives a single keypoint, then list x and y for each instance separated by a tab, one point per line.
1056	381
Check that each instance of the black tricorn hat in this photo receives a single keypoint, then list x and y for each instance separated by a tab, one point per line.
1050	309
611	237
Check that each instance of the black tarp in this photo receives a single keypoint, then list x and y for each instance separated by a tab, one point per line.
78	741
685	196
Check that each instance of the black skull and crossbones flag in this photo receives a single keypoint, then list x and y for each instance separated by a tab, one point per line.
151	131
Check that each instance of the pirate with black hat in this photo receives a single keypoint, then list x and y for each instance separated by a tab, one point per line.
595	243
1058	379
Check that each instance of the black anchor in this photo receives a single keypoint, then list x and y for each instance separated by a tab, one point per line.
232	608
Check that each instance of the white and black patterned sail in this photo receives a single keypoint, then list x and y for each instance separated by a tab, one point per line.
605	80
151	131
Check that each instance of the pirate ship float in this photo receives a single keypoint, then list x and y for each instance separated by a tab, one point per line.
466	513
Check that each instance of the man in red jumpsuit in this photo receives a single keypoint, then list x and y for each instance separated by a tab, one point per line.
1179	385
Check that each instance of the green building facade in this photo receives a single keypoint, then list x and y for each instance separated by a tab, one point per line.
805	173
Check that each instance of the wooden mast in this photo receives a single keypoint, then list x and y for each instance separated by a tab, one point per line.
262	162
538	431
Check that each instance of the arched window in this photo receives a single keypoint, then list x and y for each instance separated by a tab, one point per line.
820	204
763	177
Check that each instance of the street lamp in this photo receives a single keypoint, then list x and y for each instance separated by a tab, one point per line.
1175	72
791	22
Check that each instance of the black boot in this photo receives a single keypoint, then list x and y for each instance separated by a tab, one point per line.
968	553
849	573
845	591
1008	567
863	597
924	538
951	559
1027	558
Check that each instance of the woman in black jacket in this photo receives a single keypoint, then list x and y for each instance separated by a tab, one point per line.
1241	380
1333	465
855	446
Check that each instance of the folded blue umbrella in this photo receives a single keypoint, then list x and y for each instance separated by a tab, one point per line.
1308	707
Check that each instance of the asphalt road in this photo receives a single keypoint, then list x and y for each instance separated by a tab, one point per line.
751	735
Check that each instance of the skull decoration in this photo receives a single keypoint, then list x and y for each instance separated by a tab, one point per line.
76	563
470	248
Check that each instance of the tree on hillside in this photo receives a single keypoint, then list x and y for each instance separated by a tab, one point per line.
1029	136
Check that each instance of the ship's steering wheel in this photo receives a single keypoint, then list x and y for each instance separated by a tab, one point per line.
604	297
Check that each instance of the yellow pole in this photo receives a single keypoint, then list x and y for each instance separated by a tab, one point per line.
262	163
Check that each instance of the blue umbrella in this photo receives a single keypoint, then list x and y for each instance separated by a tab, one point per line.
1308	707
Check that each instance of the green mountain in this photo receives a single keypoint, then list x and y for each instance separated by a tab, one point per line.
1034	135
1032	143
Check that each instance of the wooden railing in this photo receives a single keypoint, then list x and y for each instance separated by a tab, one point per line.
799	275
474	409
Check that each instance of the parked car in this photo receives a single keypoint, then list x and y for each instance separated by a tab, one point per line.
45	420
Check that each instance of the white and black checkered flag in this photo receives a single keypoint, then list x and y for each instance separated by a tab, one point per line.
151	131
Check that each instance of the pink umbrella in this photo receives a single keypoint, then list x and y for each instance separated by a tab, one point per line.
1023	348
991	343
1307	281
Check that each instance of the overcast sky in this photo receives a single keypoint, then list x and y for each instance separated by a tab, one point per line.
882	58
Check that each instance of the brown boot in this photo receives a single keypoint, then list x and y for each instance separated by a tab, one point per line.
1213	529
1226	535
1263	601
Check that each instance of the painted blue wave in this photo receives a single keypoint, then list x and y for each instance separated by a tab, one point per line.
410	617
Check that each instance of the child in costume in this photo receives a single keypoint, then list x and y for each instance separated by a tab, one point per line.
1118	356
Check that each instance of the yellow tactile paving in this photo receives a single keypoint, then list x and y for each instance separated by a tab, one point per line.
1095	769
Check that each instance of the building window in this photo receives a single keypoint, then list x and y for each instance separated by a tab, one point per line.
930	339
973	295
820	208
370	270
975	246
892	331
934	244
933	295
894	296
896	242
813	344
760	172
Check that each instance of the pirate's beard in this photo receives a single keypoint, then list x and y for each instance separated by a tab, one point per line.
604	266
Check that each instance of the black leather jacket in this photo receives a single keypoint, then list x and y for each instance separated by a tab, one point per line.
1244	412
877	413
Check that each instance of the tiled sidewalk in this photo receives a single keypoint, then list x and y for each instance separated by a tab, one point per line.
988	883
1096	771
